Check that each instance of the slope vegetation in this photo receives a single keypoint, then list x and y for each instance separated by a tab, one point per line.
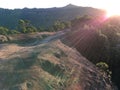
48	66
45	17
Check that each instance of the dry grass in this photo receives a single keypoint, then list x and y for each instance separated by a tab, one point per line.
47	66
8	50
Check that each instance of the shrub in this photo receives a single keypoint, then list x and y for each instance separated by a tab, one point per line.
104	68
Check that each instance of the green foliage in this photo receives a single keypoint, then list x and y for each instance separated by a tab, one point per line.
82	19
102	65
26	27
67	24
14	32
4	31
59	25
22	26
51	68
104	68
38	17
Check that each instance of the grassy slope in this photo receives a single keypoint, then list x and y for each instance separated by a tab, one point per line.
48	66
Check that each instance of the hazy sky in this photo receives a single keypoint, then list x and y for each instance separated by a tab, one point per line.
104	4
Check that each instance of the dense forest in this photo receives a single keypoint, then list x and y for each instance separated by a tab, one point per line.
42	18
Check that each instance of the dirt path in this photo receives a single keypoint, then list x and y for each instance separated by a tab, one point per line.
6	50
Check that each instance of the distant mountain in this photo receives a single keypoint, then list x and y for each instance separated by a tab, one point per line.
44	17
71	6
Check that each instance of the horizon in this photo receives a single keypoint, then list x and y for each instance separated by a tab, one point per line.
51	7
44	7
13	4
111	7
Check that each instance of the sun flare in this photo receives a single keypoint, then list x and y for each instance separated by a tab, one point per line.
113	13
113	10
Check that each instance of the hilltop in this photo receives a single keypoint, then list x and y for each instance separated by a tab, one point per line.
49	65
84	56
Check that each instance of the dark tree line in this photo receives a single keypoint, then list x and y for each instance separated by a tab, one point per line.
25	26
38	17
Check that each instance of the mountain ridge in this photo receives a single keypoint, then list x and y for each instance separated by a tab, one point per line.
45	17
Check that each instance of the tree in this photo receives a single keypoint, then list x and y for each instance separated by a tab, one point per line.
58	25
22	26
104	68
26	27
4	31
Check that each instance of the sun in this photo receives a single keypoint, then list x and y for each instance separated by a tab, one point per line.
113	10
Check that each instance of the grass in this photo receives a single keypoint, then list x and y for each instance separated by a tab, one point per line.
19	71
51	68
24	42
25	63
36	71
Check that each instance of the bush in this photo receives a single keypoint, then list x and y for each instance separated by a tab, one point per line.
3	31
104	68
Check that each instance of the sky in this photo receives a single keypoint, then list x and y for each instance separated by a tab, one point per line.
112	6
11	4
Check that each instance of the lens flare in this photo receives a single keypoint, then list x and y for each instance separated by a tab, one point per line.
113	10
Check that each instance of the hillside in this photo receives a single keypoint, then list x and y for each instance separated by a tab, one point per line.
97	39
63	59
45	17
48	66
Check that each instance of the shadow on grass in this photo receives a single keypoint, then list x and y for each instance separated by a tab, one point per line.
53	69
25	42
